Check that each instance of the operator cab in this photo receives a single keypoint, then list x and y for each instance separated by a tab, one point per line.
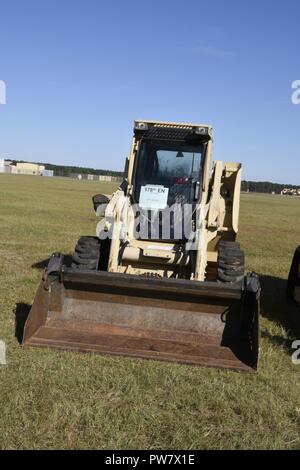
168	172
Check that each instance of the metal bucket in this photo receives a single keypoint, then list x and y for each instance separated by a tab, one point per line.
191	322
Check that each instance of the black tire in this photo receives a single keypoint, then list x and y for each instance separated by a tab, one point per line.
231	263
227	245
98	200
233	271
88	240
87	250
91	253
87	254
237	257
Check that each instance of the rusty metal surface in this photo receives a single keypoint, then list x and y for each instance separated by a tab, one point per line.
116	314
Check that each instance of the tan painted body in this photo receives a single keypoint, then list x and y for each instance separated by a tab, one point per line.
219	209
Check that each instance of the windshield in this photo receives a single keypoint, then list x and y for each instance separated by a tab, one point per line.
168	172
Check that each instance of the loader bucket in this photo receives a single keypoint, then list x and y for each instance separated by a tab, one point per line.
293	284
191	322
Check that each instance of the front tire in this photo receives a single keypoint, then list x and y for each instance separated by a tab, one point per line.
231	263
91	253
87	254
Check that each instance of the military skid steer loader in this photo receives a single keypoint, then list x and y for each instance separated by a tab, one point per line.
164	278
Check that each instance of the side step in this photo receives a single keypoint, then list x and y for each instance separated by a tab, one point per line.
191	322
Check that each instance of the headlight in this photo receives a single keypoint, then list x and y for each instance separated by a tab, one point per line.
141	126
201	130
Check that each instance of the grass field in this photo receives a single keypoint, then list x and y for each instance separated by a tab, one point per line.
51	399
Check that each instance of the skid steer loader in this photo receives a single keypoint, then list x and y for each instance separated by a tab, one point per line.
164	278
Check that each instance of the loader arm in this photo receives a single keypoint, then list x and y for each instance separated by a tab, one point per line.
219	213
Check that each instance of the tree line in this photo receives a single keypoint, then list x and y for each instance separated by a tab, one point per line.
266	187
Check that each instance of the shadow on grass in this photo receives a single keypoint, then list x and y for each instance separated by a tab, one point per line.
41	265
21	313
275	308
22	310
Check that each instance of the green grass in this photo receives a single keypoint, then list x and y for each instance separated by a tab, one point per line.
52	399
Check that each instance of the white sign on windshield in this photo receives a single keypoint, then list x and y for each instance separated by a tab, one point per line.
153	197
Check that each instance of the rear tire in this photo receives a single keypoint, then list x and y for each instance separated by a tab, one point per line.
231	263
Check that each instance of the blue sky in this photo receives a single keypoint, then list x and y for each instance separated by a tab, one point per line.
79	72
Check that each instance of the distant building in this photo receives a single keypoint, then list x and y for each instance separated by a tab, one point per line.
47	173
90	177
29	169
1	165
109	178
5	166
104	178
